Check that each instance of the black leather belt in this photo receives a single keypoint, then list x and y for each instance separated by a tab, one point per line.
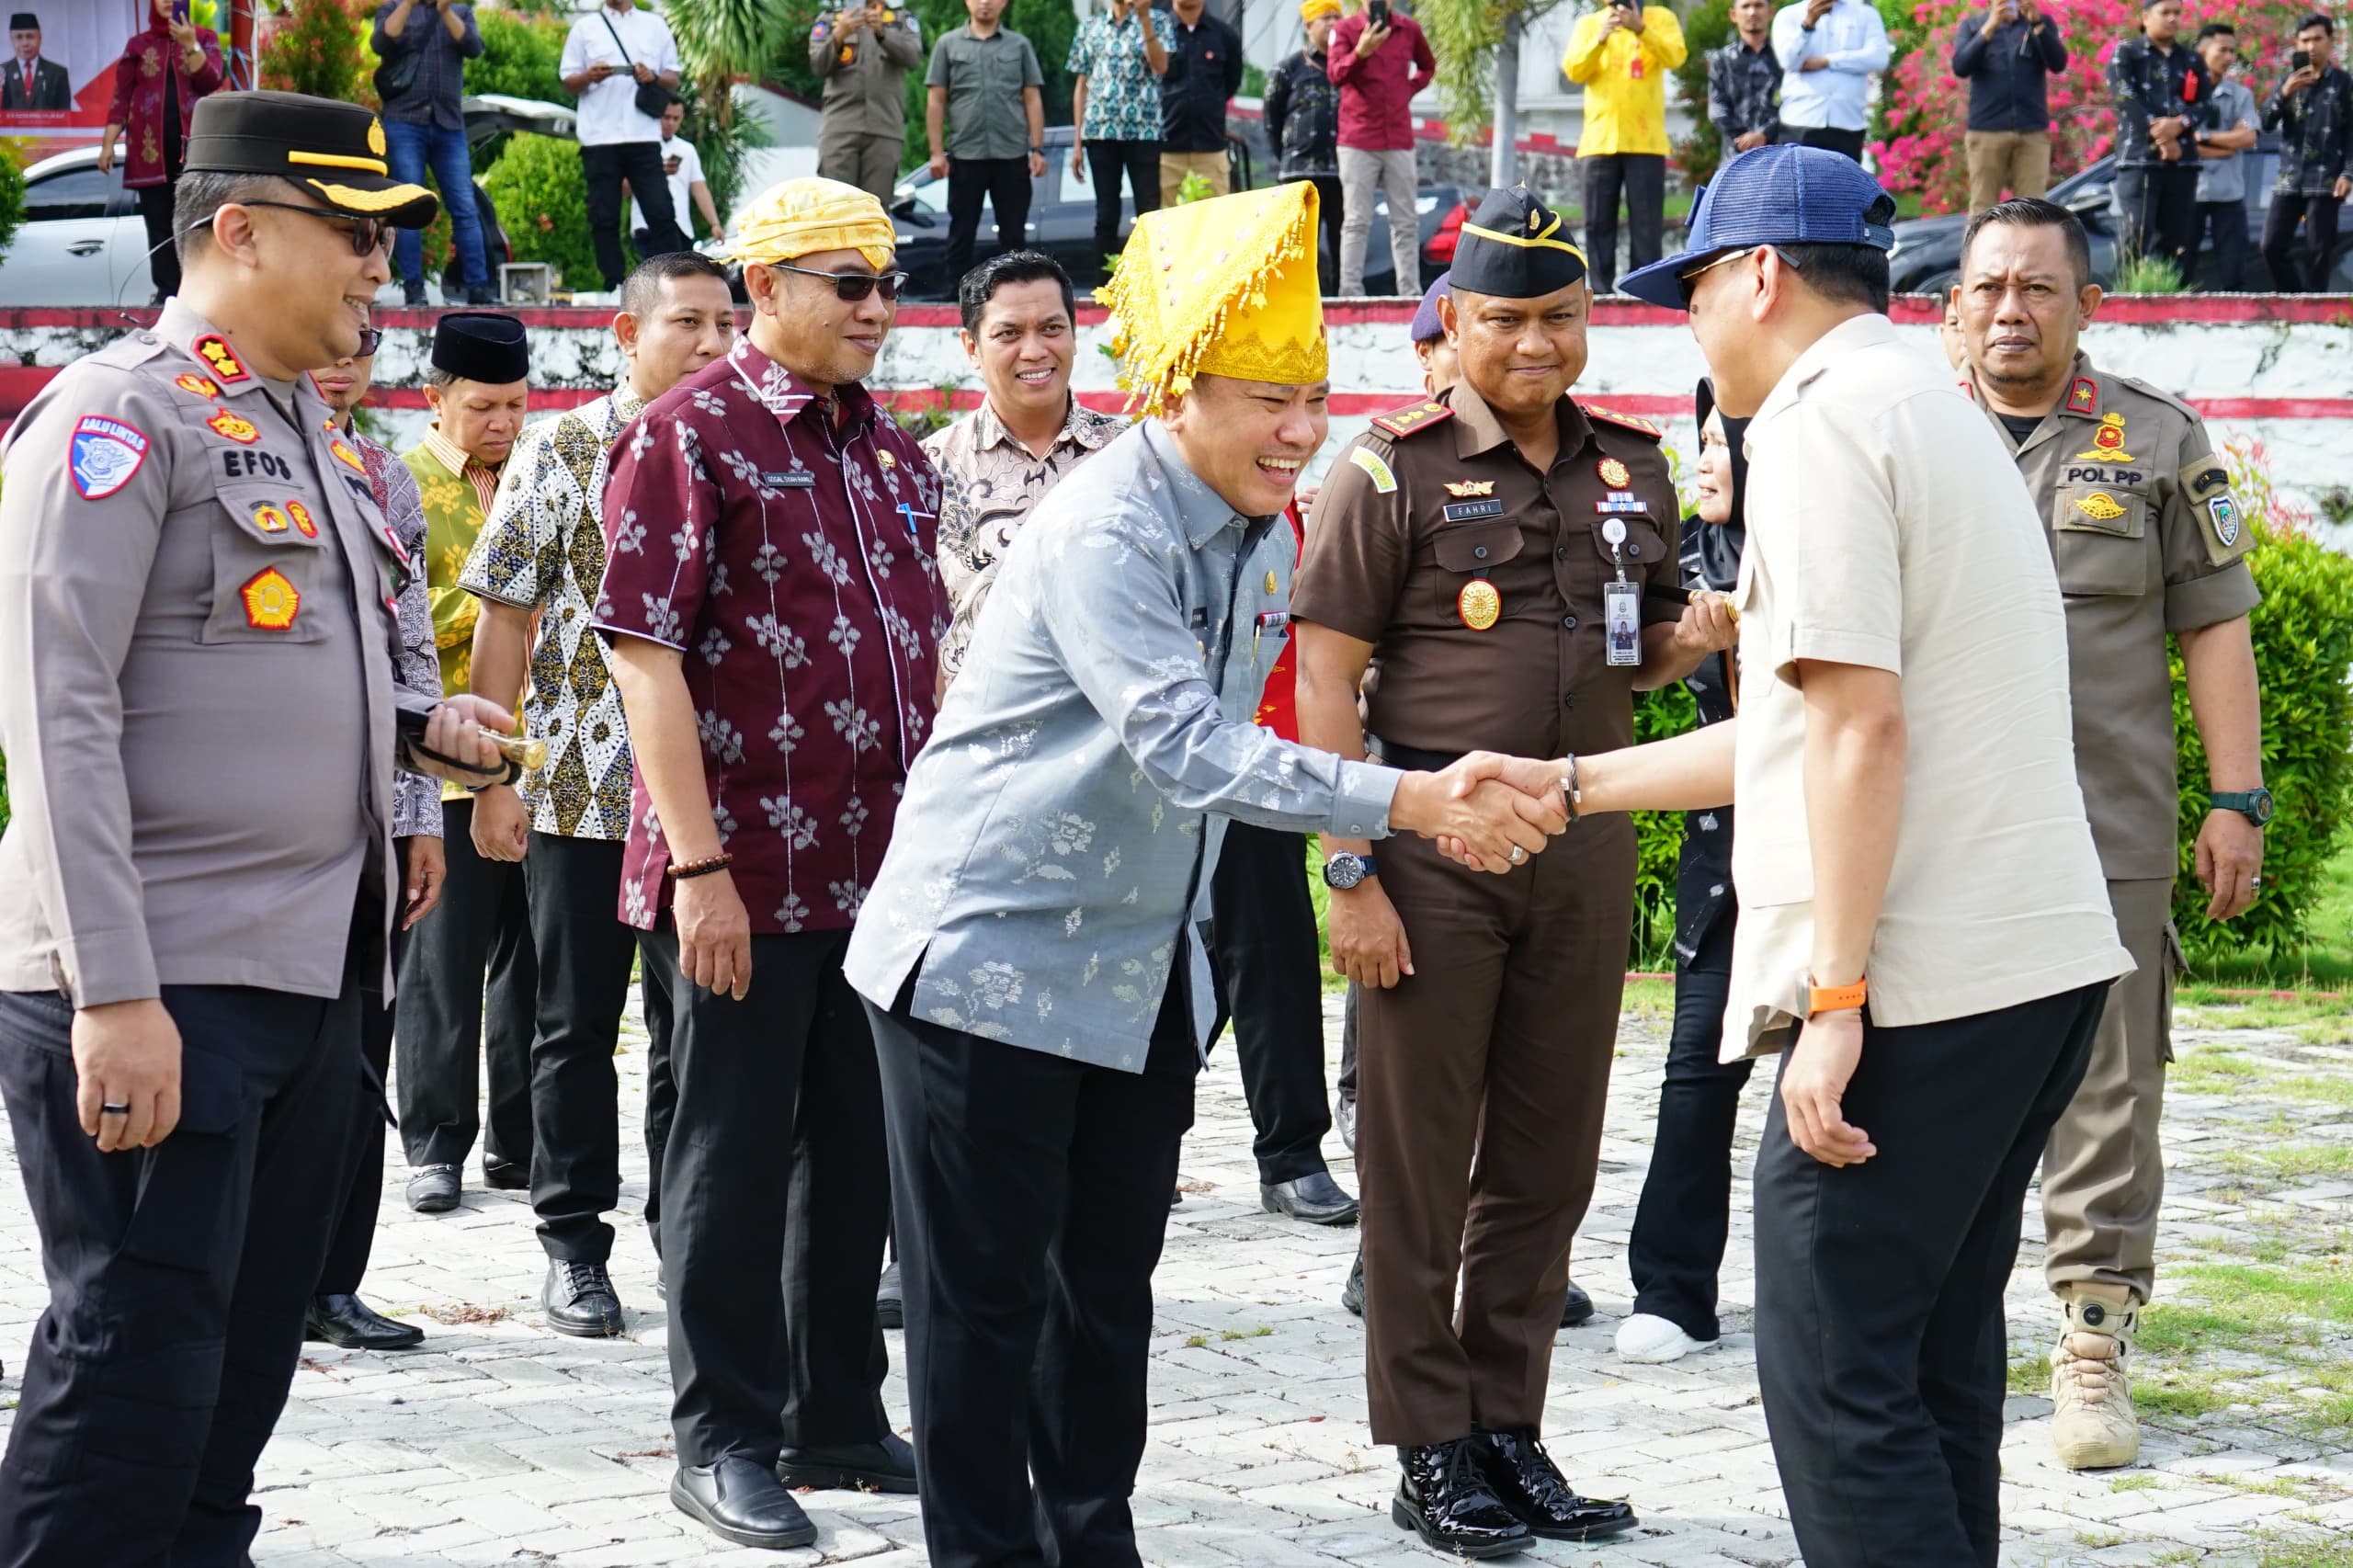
1413	759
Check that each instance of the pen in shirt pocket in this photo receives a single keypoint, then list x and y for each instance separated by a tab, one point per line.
908	510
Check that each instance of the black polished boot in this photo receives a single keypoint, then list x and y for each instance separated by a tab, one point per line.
1523	1477
1442	1498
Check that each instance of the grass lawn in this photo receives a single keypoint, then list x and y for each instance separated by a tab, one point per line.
2326	963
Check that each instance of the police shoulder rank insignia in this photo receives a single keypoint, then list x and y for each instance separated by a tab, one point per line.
2101	506
1382	480
270	519
1419	416
303	523
2107	441
1614	473
1478	605
2203	477
234	426
1468	511
103	454
271	601
2083	396
192	382
1624	421
214	350
347	457
1461	487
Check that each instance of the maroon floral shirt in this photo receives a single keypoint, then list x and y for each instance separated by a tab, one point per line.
790	558
147	60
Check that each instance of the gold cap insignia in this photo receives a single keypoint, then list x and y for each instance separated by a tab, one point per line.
376	137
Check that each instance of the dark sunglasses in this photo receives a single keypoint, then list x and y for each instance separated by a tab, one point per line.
851	287
370	339
367	235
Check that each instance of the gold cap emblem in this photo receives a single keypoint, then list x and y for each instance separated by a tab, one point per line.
376	137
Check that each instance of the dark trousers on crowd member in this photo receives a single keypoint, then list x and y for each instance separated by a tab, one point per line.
661	1090
1332	214
1642	178
1847	143
354	1239
1109	162
450	1018
178	1275
1678	1244
1270	984
2157	212
640	164
1032	1193
775	1194
1003	183
1881	1348
2226	221
2300	269
1482	1080
156	208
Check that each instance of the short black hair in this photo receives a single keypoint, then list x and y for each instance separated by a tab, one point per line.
980	284
641	291
2033	213
1850	275
198	196
2217	29
2314	20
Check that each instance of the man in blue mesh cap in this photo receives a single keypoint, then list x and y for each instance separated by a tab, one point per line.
1924	929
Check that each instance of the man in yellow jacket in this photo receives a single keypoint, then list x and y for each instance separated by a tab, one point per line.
1622	54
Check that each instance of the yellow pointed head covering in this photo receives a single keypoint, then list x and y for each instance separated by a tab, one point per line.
1314	9
802	217
1225	286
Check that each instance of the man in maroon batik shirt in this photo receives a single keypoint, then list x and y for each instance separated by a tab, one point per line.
773	607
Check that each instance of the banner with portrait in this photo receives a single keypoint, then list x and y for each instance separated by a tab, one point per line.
57	78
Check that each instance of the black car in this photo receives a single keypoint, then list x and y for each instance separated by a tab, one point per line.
1927	258
1061	223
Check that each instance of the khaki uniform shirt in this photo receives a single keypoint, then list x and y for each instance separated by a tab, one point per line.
1883	533
2148	539
1433	510
196	593
866	94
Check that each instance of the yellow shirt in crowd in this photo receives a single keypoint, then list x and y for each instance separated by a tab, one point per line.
1624	78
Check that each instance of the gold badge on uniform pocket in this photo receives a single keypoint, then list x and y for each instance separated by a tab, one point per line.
302	516
2101	506
1478	605
233	426
270	519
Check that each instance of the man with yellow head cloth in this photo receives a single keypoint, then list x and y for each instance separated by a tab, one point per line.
772	606
1035	955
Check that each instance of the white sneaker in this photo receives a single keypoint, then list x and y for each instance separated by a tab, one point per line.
1649	1339
2093	1426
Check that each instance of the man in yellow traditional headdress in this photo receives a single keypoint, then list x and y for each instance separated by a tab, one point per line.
766	515
1034	956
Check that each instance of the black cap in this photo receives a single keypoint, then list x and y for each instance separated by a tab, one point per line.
482	346
1516	248
334	151
24	22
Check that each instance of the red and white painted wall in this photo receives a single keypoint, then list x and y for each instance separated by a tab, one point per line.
2278	369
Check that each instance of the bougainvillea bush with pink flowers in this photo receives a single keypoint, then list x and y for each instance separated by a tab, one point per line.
1923	108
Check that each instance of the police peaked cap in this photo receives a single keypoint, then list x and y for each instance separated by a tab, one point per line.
334	151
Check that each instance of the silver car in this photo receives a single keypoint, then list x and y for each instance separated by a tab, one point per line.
81	242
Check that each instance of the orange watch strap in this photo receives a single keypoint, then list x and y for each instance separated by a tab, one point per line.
1834	998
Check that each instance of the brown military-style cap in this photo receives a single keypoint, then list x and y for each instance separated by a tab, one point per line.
336	151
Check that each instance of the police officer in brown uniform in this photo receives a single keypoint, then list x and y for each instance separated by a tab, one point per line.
201	722
1504	560
2148	539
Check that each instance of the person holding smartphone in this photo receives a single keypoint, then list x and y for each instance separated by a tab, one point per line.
1829	50
162	72
1379	59
1622	56
2312	112
2008	57
609	57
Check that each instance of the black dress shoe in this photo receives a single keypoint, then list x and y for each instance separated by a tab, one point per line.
580	1300
1347	1121
506	1175
890	1307
1352	1293
351	1323
1442	1498
413	295
1314	1197
886	1466
741	1500
1524	1476
481	294
433	1189
1578	1309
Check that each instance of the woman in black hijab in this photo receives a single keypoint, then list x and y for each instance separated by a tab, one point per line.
1679	1238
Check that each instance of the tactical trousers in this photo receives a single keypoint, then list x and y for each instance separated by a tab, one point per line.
1499	1046
177	1276
2104	1173
1271	982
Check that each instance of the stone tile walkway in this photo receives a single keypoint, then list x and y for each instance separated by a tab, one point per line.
499	1442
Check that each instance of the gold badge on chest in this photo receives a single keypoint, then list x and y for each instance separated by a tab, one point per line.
1614	473
1478	605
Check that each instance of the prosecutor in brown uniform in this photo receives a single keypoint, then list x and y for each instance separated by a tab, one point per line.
1477	550
201	722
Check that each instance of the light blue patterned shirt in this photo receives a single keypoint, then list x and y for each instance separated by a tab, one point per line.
1066	815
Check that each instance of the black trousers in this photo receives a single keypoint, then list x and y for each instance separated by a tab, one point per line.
449	1020
1678	1243
775	1194
1847	142
177	1276
1881	1348
354	1239
2158	206
661	1088
1641	176
2226	221
1003	183
640	164
1347	1086
1032	1193
2300	269
155	206
1329	212
1107	164
1270	984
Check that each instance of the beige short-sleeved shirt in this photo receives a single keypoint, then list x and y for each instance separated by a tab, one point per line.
1887	529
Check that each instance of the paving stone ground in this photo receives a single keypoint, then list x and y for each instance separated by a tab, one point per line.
500	1442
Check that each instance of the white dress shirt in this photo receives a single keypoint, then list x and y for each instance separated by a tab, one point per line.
682	185
609	112
1853	41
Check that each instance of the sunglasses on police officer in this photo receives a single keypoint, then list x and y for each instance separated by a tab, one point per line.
367	235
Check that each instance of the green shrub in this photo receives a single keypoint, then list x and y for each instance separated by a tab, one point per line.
543	201
12	194
519	56
1659	834
2303	654
1707	28
321	47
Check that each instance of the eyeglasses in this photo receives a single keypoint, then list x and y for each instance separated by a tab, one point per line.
367	235
851	287
1689	281
370	339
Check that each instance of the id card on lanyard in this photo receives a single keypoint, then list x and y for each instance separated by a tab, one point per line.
1621	604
